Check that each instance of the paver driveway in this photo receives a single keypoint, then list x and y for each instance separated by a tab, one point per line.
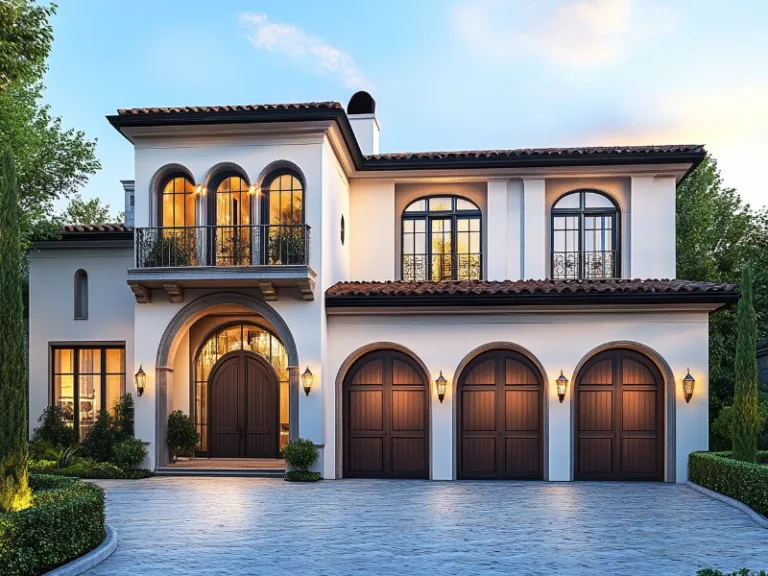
258	526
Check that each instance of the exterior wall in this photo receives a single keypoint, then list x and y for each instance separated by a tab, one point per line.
653	227
372	247
51	311
559	342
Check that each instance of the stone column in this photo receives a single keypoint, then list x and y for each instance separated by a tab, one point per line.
293	403
163	381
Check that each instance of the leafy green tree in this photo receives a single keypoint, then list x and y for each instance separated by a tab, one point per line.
25	40
745	417
14	489
91	211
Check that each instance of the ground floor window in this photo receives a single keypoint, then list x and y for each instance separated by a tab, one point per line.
85	380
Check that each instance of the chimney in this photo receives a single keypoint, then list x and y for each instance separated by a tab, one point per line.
128	186
361	111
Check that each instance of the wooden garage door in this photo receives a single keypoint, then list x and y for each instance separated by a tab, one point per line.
386	423
500	418
619	419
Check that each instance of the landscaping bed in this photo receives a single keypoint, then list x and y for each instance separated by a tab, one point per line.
745	482
66	520
87	470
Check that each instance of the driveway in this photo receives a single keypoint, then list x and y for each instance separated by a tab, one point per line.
261	526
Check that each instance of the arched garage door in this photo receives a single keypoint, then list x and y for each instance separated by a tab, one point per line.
619	418
500	418
386	418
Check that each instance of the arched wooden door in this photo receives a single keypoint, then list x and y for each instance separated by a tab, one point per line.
386	418
619	418
244	407
500	418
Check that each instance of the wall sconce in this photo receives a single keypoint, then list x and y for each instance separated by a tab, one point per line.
141	381
688	383
441	384
306	380
252	189
200	190
562	386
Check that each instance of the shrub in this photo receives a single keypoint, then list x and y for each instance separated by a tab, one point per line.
124	417
170	251
745	417
66	521
129	453
54	428
182	436
15	493
41	466
722	426
302	476
300	454
744	481
100	441
88	469
64	457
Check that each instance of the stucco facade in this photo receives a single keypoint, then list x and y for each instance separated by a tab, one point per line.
352	210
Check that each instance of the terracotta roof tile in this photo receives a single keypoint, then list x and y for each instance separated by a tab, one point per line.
229	108
91	229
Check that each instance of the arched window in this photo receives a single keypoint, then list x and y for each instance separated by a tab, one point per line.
81	295
234	234
585	236
441	240
286	236
177	207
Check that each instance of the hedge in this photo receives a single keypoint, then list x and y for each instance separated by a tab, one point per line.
88	470
66	521
745	482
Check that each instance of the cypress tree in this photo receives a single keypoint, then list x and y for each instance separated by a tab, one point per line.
14	490
745	420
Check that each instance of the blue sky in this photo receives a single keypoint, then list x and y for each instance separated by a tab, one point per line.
461	74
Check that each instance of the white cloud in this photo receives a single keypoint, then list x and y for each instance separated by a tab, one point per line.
569	33
293	42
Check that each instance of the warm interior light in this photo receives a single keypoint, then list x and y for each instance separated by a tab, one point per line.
141	381
200	189
441	384
306	380
562	386
688	383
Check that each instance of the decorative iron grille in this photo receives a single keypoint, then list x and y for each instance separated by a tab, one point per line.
436	267
590	265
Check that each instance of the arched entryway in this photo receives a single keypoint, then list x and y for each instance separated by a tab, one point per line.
500	418
386	417
244	408
619	418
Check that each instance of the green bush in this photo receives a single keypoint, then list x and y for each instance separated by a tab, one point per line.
54	428
743	481
65	456
129	453
124	417
182	436
170	251
42	466
90	470
300	454
65	522
100	441
302	476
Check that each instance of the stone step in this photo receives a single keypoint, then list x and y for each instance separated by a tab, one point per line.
228	472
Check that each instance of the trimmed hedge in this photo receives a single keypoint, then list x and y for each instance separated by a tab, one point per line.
743	481
88	471
66	521
302	476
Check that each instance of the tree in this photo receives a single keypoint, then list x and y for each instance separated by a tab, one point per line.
745	417
14	489
25	40
91	211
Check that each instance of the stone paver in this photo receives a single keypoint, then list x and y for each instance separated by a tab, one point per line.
270	527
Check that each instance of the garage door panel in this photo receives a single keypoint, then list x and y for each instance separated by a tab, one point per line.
478	410
478	455
482	373
408	410
638	410
408	455
366	454
371	373
638	455
595	410
518	374
522	410
522	455
600	373
633	372
365	411
595	455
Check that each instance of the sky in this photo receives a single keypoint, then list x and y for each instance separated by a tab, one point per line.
446	75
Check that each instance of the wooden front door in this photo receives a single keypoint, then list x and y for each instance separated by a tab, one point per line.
500	418
619	419
244	407
386	418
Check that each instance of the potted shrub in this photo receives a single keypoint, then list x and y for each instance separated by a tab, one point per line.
300	455
129	454
182	436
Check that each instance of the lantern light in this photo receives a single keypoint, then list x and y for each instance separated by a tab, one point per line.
306	380
562	386
688	383
141	381
441	384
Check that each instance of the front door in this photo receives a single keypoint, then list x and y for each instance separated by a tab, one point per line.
244	408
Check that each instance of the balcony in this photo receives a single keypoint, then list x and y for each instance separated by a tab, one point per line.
267	256
584	264
446	266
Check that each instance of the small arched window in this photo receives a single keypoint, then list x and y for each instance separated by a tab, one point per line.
81	295
441	240
177	207
585	236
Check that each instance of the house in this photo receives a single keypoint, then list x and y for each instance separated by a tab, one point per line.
485	314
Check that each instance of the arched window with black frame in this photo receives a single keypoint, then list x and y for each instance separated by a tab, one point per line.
585	236
174	242
232	207
177	202
285	236
441	240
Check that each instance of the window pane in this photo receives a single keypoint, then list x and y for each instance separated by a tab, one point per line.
440	204
462	225
115	360
592	200
462	204
63	360
189	210
167	209
90	361
421	225
474	224
418	206
90	401
115	389
64	395
572	200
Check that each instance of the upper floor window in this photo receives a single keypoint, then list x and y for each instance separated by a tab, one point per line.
177	208
81	295
284	198
441	240
585	236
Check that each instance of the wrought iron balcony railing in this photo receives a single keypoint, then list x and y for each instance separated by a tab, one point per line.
436	267
242	245
584	264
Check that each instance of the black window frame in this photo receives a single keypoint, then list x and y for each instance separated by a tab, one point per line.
76	348
428	216
582	212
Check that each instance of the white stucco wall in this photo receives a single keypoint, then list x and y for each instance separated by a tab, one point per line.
51	311
653	227
372	246
559	341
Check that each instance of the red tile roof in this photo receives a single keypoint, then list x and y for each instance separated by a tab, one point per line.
96	228
230	108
